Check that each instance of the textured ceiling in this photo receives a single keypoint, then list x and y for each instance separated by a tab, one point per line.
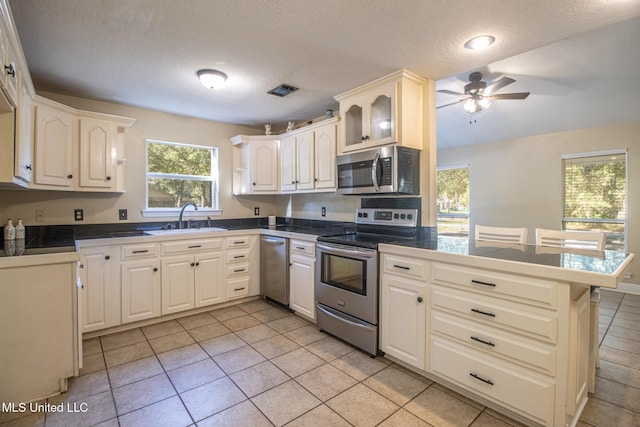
146	53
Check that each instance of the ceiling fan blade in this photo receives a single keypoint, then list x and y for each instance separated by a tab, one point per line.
452	103
497	85
516	95
450	92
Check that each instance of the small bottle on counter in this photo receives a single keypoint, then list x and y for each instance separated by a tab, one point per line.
19	230
9	231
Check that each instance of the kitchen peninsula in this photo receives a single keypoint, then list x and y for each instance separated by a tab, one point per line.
507	325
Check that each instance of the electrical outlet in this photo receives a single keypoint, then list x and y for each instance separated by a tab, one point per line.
78	214
39	215
122	214
324	211
256	211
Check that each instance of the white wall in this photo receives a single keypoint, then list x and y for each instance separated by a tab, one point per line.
103	208
518	183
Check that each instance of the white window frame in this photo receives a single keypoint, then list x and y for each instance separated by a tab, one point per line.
615	152
202	212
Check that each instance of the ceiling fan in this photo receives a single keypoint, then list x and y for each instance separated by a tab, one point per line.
478	94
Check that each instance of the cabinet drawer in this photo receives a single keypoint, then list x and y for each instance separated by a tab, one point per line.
237	242
408	267
191	246
237	269
537	291
303	248
238	255
139	250
512	387
238	287
490	311
491	341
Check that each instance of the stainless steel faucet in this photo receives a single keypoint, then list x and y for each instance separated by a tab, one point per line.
182	212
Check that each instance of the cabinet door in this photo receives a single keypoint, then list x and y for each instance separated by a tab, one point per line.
178	274
351	124
381	115
140	282
305	154
301	280
325	157
100	304
209	279
54	147
11	72
288	163
96	154
24	134
403	320
264	166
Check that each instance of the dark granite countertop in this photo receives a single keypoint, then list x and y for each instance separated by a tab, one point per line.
605	262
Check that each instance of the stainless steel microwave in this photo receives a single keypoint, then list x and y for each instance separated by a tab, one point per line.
384	170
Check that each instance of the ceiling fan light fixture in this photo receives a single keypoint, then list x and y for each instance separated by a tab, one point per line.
479	42
484	103
212	79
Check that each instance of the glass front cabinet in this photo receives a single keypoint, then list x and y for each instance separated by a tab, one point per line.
388	110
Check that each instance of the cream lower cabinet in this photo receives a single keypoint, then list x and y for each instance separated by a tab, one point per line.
518	342
302	263
239	267
194	277
403	309
100	292
140	282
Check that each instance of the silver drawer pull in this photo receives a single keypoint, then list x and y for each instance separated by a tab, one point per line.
302	248
238	270
194	246
480	340
140	251
238	256
479	378
484	313
238	289
401	267
478	282
238	243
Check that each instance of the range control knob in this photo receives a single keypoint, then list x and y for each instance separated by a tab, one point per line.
409	216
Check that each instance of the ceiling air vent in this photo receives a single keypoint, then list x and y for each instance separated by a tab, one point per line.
282	90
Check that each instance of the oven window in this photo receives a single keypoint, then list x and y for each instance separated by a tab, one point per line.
345	273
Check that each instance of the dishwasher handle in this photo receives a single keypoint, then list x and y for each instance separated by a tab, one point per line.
274	241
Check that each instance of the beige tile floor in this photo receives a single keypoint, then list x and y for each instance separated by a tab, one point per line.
257	365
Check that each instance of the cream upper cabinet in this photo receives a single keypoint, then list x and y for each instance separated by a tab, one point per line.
10	69
54	143
387	110
78	150
325	156
255	164
24	133
308	158
97	146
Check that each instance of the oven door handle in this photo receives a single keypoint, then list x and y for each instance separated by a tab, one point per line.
374	172
369	253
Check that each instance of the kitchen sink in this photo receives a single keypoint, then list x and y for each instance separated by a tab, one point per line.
184	231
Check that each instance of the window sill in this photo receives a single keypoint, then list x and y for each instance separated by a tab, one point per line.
175	212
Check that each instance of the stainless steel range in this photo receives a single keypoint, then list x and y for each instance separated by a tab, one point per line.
346	284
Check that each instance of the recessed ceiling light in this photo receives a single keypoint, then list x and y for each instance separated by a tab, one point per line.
480	42
212	79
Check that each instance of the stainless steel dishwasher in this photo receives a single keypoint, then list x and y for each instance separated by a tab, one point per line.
274	268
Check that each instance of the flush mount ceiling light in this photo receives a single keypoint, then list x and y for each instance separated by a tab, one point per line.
212	79
480	42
